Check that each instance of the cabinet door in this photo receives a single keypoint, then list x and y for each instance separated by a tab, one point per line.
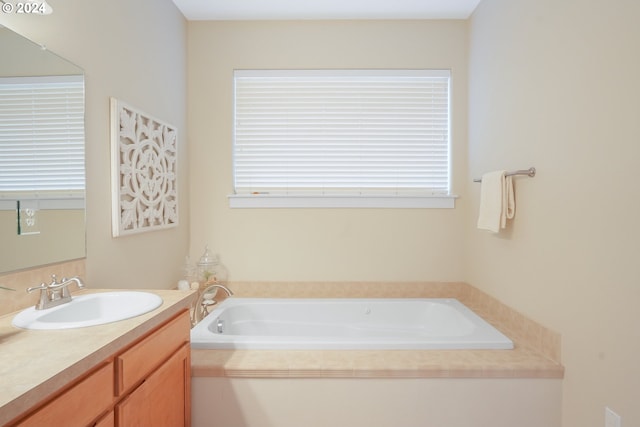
163	399
108	420
79	405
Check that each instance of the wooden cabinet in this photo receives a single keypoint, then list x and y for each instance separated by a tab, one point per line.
146	384
108	420
155	377
137	362
80	404
160	400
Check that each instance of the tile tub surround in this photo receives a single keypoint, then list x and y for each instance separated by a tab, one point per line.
35	364
536	353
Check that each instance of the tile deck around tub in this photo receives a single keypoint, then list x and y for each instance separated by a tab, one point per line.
536	353
516	363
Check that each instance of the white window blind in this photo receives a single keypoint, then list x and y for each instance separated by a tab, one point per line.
42	136
342	132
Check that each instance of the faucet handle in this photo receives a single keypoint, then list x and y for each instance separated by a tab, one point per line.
41	287
53	280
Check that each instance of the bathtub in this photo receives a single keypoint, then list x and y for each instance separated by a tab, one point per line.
345	324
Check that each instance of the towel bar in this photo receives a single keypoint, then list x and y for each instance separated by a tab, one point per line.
529	172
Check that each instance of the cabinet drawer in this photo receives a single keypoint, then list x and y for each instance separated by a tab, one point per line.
141	359
79	405
162	400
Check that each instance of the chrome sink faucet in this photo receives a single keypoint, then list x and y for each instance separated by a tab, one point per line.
55	293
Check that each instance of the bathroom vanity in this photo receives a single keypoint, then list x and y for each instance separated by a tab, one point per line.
131	372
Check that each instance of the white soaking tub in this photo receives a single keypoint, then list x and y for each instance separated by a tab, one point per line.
345	324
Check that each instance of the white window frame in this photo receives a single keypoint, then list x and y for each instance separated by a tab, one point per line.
246	196
56	104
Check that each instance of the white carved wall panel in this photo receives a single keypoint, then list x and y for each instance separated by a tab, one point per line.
144	171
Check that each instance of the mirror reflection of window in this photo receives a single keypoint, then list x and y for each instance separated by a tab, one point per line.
42	138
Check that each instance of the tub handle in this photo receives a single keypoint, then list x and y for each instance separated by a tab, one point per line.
220	326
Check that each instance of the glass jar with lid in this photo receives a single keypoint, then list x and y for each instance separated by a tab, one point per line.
207	266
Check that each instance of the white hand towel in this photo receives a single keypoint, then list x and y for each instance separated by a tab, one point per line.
497	202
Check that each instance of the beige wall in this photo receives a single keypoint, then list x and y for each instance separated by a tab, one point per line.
134	51
555	85
317	244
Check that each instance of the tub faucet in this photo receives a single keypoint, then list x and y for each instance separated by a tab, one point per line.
55	293
205	301
218	285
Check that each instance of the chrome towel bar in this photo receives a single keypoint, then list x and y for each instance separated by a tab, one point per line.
529	172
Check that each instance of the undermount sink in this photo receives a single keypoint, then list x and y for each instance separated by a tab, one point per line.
89	310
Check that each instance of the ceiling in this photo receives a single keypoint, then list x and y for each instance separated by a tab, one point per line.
195	10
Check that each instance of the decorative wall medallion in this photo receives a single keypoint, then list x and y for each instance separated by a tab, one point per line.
143	171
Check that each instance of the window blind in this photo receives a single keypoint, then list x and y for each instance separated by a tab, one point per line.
42	136
342	132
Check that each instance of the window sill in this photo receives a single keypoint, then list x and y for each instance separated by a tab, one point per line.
237	201
49	203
